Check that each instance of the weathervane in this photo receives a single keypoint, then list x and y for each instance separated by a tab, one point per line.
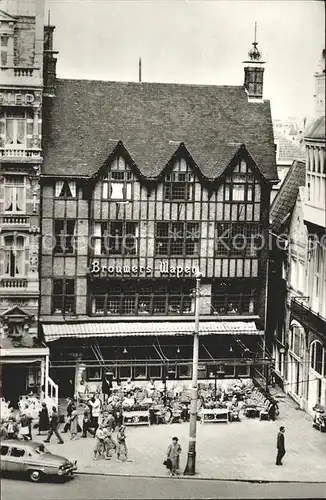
254	53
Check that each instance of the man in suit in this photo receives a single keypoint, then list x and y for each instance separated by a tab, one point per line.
54	424
280	446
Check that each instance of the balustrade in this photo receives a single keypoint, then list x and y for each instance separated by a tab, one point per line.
13	153
16	220
13	283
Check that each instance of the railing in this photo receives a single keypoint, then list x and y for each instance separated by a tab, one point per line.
19	71
16	220
25	153
307	316
13	283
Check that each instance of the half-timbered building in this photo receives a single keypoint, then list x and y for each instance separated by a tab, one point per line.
144	186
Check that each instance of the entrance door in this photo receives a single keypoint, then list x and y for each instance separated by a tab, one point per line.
14	382
65	378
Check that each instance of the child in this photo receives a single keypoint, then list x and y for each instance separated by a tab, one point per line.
173	453
100	444
122	445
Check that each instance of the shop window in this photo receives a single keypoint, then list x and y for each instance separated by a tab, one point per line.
14	194
177	238
184	371
317	357
140	372
14	256
64	233
63	296
146	298
155	372
228	300
17	452
94	373
125	372
242	371
229	370
65	189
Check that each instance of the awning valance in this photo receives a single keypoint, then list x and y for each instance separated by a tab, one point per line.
107	329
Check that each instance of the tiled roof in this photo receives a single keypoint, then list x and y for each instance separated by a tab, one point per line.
88	118
107	329
287	150
286	197
316	130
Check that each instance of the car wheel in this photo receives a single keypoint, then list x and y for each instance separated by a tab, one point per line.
34	475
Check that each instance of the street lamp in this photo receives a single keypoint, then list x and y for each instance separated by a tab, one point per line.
190	469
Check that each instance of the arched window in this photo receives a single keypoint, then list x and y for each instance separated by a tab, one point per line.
317	357
14	256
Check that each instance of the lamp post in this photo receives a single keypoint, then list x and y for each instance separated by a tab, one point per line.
190	469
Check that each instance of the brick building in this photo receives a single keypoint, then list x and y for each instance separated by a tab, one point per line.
24	360
143	186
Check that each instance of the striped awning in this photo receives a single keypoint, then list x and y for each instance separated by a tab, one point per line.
55	331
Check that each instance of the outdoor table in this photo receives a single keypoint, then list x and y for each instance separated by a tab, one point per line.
136	417
214	415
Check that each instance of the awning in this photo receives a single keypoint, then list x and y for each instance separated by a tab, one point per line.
132	329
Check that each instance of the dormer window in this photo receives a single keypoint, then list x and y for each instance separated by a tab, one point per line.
117	184
178	184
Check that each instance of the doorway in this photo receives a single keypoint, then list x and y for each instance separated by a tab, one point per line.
64	377
14	381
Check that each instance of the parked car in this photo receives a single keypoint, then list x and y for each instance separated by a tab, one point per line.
33	459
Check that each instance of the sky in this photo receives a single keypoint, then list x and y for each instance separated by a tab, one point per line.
194	41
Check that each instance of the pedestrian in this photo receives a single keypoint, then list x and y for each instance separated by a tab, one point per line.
87	423
100	435
96	411
109	443
110	421
43	419
280	446
122	448
71	403
54	424
11	428
173	453
106	385
73	423
272	410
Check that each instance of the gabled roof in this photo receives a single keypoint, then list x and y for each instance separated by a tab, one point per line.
287	150
286	197
4	16
88	118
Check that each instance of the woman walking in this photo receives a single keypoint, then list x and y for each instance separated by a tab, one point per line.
43	419
173	453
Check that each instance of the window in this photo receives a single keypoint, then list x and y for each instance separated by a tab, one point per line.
177	238
140	372
94	373
17	452
4	50
15	190
233	299
238	239
179	186
65	189
63	296
117	238
184	371
317	357
16	127
117	185
145	298
14	256
64	232
155	372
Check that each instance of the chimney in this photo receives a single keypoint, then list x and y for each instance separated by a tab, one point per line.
49	61
254	72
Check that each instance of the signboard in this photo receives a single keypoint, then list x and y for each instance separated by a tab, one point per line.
123	270
21	98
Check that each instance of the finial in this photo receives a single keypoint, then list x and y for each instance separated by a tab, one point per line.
49	17
254	53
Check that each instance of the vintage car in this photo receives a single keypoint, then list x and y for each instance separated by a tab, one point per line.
33	459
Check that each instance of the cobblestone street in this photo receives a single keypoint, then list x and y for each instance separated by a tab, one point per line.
243	450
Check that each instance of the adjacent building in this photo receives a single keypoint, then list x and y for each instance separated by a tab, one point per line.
24	359
145	185
298	272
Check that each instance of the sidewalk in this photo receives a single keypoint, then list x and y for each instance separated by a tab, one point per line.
243	450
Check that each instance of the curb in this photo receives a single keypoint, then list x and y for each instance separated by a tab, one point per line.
200	478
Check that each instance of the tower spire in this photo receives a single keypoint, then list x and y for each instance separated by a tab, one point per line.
254	71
